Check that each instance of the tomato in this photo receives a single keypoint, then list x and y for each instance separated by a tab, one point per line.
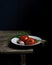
23	38
30	41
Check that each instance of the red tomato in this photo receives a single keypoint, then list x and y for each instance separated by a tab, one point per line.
23	38
30	41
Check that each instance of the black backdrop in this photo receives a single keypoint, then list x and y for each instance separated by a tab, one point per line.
21	14
24	15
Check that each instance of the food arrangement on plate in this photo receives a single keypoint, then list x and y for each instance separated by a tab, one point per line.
25	40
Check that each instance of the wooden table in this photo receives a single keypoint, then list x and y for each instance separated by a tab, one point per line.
5	37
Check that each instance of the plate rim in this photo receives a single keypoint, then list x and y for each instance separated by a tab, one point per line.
27	45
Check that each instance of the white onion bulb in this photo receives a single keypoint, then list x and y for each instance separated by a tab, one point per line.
21	42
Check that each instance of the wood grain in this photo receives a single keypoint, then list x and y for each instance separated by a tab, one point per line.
5	37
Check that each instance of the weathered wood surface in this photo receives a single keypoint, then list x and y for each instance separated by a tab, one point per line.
4	41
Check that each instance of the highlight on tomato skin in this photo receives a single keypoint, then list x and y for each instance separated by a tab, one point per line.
27	40
30	41
23	38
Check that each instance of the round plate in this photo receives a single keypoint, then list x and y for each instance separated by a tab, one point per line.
15	39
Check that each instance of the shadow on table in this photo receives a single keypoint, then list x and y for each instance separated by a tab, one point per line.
19	47
39	56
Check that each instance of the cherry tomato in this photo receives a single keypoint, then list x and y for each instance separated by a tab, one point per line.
23	38
30	41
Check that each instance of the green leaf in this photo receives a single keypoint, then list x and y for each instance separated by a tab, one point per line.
20	34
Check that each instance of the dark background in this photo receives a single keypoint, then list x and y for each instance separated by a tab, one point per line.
23	14
29	15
